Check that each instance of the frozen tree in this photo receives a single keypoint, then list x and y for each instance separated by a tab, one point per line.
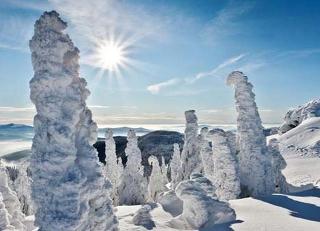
278	164
199	209
4	216
11	202
143	218
206	154
226	173
133	189
190	156
175	166
68	188
157	180
254	160
113	168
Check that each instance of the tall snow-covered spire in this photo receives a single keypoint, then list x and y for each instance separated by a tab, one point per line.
68	188
158	179
175	166
4	216
133	188
113	169
190	156
206	154
254	159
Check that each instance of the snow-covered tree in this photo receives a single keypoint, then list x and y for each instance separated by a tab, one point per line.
190	156
226	173
158	179
206	154
175	166
11	202
4	216
133	188
254	159
113	168
68	188
199	209
278	164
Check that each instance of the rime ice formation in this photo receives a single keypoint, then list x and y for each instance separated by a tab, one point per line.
254	160
157	180
206	154
133	189
175	166
199	209
113	168
295	117
190	156
205	184
143	218
4	216
69	190
11	202
278	164
171	203
226	171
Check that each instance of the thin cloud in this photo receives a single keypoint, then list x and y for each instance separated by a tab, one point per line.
16	109
156	88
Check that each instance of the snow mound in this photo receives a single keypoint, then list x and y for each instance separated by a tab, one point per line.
295	117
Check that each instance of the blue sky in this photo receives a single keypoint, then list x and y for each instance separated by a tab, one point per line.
180	53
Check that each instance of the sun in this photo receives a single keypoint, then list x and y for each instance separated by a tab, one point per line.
110	55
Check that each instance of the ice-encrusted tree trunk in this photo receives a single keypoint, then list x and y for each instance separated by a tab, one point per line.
226	169
190	156
206	154
254	159
68	188
133	188
113	168
175	166
4	216
11	202
278	164
157	180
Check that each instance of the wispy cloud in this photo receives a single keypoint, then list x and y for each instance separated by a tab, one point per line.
16	109
183	83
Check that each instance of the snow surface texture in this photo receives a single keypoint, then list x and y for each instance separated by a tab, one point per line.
68	187
158	179
175	166
206	154
12	205
295	117
190	156
254	159
133	189
113	168
226	169
199	209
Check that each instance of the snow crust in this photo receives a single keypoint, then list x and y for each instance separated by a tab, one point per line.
68	188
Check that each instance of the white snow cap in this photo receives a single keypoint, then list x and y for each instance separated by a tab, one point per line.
68	188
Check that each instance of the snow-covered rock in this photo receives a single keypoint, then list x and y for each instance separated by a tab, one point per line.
295	117
205	184
143	218
254	159
133	188
226	171
199	209
68	188
190	156
113	168
171	203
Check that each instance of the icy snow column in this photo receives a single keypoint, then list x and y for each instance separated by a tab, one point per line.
113	168
133	189
206	154
4	216
69	190
254	160
158	179
175	166
11	202
190	156
199	209
226	169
